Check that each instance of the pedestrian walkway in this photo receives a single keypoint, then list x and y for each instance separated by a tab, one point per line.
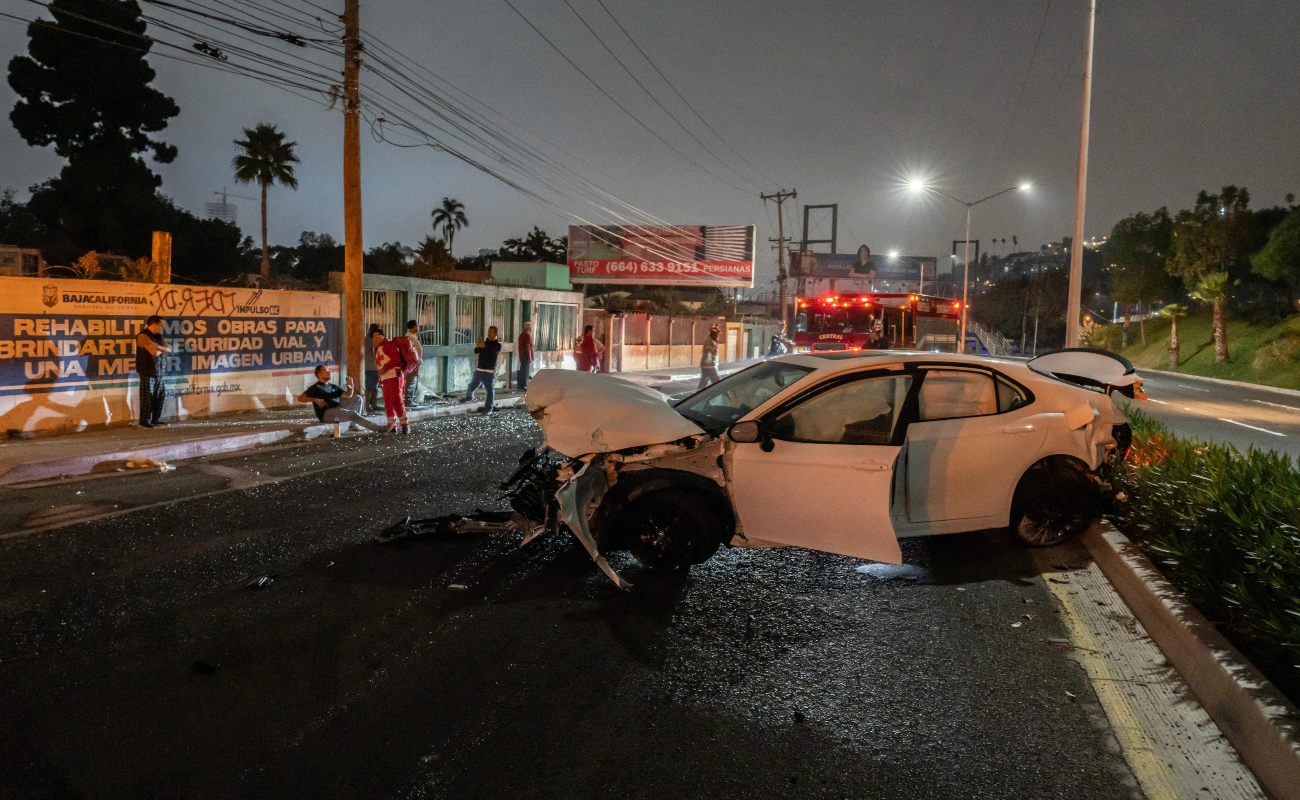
107	449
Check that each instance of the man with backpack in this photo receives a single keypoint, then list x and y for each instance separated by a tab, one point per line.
390	359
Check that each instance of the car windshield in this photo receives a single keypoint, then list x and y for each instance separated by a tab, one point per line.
715	409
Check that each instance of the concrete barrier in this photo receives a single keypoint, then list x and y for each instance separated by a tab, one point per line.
1251	712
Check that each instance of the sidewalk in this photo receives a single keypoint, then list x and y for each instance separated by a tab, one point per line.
108	449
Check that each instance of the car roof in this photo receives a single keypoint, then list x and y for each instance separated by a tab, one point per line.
850	360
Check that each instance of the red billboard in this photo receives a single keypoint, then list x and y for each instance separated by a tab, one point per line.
676	255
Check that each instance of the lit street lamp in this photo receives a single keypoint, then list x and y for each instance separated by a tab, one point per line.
920	186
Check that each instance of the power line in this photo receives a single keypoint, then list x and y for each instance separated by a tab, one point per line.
650	94
680	96
615	101
1015	109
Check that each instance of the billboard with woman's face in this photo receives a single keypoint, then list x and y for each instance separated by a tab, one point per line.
678	255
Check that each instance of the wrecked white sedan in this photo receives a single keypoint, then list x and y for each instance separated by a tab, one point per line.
843	452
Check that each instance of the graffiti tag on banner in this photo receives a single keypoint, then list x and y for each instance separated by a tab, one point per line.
64	333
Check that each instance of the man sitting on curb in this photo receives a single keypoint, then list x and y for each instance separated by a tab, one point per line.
334	405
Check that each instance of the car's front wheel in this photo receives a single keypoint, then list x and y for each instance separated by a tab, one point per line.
1054	503
671	528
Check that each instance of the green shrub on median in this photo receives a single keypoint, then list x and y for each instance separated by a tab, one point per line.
1222	525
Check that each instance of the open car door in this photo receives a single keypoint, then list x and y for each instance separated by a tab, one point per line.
821	476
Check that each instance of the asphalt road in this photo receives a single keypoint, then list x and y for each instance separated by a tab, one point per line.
1243	416
136	663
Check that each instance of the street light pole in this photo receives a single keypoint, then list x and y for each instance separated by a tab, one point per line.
965	278
1076	251
965	285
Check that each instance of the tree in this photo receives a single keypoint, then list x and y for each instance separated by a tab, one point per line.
1212	238
84	88
1213	289
450	216
536	246
266	158
431	258
1173	312
1279	260
1137	250
389	259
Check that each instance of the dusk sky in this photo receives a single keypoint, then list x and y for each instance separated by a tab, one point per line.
843	101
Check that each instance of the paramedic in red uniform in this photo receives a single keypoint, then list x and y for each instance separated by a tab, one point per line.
391	363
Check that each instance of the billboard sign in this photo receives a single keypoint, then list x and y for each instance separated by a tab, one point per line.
67	348
862	264
676	255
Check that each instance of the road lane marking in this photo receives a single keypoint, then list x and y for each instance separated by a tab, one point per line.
1252	427
1275	405
1193	388
1139	752
1161	402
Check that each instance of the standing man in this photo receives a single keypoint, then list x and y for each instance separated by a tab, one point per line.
372	377
148	345
485	369
414	352
391	363
587	351
709	360
334	405
524	352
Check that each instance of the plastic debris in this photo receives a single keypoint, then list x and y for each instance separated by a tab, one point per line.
1016	624
457	586
1070	694
149	463
260	582
1064	643
1029	617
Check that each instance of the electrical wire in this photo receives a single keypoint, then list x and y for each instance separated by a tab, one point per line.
680	96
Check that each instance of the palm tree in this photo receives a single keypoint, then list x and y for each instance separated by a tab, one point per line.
266	158
450	216
1213	289
1172	312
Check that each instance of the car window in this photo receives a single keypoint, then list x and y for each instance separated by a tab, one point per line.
947	394
1009	397
715	408
860	412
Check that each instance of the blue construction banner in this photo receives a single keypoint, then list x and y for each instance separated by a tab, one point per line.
68	348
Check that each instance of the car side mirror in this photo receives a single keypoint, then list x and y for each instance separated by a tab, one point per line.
746	432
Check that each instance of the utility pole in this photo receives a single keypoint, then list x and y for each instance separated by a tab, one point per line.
1076	253
353	334
781	197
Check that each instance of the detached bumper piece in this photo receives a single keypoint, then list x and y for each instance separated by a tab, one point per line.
480	522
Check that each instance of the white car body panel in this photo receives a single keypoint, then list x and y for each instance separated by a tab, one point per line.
770	490
584	412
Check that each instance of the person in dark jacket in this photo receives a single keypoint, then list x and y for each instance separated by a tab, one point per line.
485	369
149	344
524	352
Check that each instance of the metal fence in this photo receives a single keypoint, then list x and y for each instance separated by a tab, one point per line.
469	319
382	308
431	315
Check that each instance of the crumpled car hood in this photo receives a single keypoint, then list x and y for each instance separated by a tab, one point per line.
585	412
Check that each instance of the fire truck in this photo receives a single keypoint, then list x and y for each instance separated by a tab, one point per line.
876	321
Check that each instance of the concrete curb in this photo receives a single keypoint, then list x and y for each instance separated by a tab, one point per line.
1256	718
1241	384
210	445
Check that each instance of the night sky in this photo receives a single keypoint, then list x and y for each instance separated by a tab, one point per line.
844	101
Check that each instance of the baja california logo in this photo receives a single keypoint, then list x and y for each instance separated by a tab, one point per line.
51	296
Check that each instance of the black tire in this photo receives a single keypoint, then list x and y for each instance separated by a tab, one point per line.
1054	503
671	529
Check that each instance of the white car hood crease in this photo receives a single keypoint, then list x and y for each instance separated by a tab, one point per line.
584	412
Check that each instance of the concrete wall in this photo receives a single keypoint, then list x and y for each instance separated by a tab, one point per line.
447	368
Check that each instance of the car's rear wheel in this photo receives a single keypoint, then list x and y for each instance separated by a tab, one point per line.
1054	503
671	528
